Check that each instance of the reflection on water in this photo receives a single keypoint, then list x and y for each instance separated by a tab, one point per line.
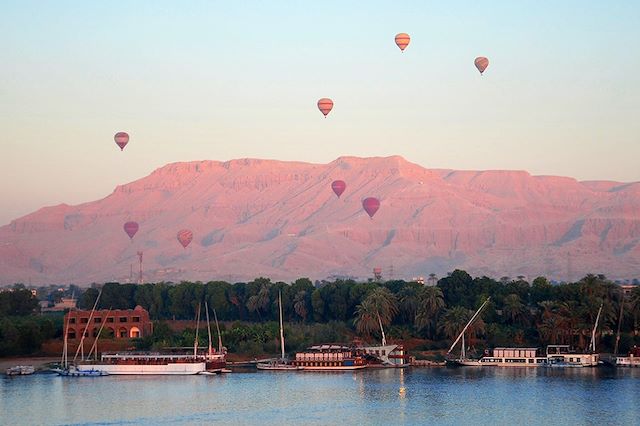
384	396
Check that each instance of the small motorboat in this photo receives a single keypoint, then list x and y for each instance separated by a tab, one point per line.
20	370
73	371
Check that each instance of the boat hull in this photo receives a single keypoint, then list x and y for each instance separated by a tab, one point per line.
141	369
335	368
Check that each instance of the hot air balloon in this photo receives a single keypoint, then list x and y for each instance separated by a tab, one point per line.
131	228
325	105
122	139
184	237
371	206
481	63
338	187
402	40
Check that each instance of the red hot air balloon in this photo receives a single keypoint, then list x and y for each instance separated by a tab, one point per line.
184	237
338	187
402	40
481	63
325	105
131	228
122	139
371	206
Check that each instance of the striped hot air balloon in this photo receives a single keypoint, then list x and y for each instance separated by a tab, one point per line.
338	187
481	63
402	40
371	206
131	228
184	237
325	105
122	139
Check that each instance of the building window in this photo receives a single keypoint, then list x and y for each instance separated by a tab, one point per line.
84	320
135	319
97	320
123	319
72	320
109	319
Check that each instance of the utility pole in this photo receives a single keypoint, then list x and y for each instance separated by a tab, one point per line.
140	273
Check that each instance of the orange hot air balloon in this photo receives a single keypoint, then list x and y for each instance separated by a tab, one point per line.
122	139
338	187
481	63
371	206
402	40
184	237
325	105
131	228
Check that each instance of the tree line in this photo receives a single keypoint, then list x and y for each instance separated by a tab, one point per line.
519	312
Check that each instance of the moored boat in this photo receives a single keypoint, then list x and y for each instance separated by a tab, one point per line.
20	370
329	358
631	360
282	364
147	363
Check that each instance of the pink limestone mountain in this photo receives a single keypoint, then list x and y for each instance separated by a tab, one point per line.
281	220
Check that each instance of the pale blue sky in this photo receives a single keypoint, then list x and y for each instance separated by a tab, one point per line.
230	79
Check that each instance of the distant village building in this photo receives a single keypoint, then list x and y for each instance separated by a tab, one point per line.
64	304
118	323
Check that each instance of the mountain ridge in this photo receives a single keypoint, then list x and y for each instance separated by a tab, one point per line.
254	217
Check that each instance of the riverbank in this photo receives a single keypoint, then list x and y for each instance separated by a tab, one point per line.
38	362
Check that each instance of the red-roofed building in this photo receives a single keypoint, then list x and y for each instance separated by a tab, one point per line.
118	323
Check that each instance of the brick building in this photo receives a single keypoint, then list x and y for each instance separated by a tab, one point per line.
118	323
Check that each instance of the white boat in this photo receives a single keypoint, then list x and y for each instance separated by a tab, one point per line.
282	364
513	357
631	360
563	356
137	363
73	371
20	370
385	355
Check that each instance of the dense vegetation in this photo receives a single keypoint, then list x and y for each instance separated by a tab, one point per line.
21	332
519	312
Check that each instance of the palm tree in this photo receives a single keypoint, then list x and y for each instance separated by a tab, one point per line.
453	321
431	302
408	303
385	302
366	320
433	280
300	304
514	310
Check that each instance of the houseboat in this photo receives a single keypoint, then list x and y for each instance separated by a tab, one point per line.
146	363
513	357
564	356
329	358
631	360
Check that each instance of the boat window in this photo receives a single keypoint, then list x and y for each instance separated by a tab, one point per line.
384	352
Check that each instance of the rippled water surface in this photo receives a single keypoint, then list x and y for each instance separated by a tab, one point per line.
412	396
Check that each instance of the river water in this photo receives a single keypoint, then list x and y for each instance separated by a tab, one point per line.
496	396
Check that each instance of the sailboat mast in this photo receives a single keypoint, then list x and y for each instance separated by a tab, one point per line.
281	327
593	333
195	341
206	308
84	332
615	350
384	339
463	353
95	342
461	335
64	360
215	317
